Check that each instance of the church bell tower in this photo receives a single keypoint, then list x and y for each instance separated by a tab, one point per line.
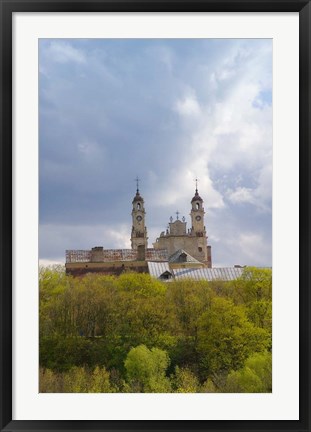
198	230
139	230
197	215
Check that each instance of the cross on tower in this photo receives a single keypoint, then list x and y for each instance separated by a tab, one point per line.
177	213
196	184
137	183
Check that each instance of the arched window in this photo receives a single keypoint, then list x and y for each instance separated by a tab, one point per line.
138	206
197	206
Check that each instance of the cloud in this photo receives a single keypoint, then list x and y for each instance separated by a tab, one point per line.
168	111
64	52
188	106
49	263
254	248
55	239
234	134
259	196
240	245
241	195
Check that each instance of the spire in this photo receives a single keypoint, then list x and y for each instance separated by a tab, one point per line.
137	197
137	184
196	195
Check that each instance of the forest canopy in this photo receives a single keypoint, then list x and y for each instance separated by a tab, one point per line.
134	333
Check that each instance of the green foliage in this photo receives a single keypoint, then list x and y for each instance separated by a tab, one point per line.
254	377
146	370
189	336
50	381
185	381
255	284
208	387
188	299
226	337
62	354
260	313
141	284
76	380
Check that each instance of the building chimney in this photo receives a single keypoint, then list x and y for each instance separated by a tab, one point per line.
141	253
97	254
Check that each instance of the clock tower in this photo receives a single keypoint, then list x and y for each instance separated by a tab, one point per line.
197	215
139	230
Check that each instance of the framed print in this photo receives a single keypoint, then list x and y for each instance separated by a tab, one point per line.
155	215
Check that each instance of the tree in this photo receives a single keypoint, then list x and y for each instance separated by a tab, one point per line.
255	284
146	370
185	381
254	377
188	299
226	338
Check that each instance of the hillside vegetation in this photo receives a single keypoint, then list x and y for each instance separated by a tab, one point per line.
137	334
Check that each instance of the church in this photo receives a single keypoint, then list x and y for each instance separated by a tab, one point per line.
177	247
193	241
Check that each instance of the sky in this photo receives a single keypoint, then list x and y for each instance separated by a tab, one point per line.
167	111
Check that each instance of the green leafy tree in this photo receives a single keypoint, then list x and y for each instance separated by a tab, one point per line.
188	299
76	380
99	381
208	387
255	284
185	381
254	377
146	370
260	313
226	337
206	329
50	381
62	353
141	284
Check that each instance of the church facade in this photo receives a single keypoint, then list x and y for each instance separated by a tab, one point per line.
193	240
176	237
178	246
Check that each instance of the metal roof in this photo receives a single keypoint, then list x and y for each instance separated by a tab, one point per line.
156	269
188	258
210	274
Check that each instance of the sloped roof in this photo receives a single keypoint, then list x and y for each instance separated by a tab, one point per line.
210	274
156	269
188	258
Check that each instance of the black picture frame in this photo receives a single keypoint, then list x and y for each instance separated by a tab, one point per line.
7	8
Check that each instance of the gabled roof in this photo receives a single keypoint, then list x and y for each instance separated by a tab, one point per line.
157	269
182	256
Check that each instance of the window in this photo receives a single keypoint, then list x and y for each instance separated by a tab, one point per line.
199	249
138	206
182	257
166	275
197	206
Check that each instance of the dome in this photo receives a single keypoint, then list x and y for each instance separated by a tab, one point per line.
196	197
138	197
